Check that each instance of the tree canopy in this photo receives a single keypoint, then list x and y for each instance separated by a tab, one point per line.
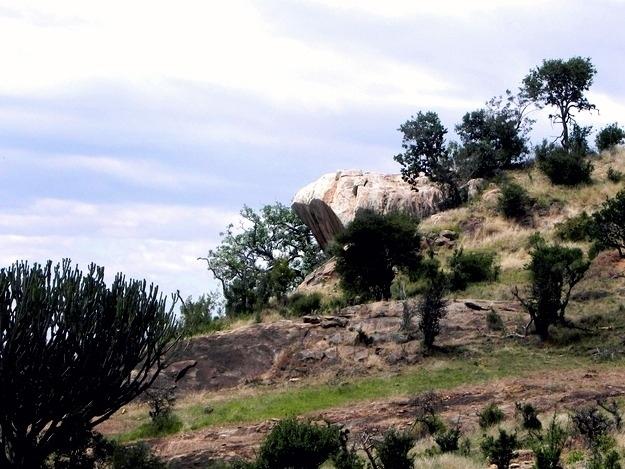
561	84
372	248
72	352
267	255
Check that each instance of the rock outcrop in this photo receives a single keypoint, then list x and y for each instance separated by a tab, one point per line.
331	202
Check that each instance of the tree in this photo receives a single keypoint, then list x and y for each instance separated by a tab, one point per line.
610	136
267	255
72	352
432	308
371	248
554	272
561	84
426	152
201	315
491	142
608	226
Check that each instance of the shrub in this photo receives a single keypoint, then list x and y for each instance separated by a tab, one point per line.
202	315
500	451
591	424
609	459
614	175
529	416
471	266
161	402
494	321
298	444
392	451
432	308
609	224
609	137
555	270
490	415
563	167
548	446
426	407
514	201
302	304
447	440
136	456
370	250
347	459
577	228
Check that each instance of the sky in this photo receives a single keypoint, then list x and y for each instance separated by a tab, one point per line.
132	132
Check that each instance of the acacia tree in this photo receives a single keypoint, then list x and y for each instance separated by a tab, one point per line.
561	84
268	254
72	352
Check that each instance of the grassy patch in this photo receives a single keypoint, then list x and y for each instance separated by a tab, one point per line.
435	374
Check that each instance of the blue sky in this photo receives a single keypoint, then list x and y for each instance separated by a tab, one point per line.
131	133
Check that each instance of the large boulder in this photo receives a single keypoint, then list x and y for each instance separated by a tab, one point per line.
332	201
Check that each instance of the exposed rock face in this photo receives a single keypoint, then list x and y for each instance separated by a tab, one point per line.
331	202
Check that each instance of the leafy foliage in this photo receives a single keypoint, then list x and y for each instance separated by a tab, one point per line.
68	348
529	416
266	256
494	321
432	308
610	136
577	228
501	450
371	248
554	270
491	142
591	424
561	84
563	166
202	315
298	444
448	439
301	304
514	201
490	415
471	266
392	451
425	152
614	175
548	446
609	224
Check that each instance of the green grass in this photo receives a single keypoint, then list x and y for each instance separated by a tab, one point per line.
435	374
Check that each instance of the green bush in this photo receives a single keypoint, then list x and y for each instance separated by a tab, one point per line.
494	321
392	451
432	308
609	224
591	424
490	415
514	201
201	316
471	266
555	270
501	450
136	456
610	136
372	248
614	175
548	446
447	440
301	304
577	228
529	416
294	444
563	167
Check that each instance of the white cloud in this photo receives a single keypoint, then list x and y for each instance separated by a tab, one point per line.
151	43
158	242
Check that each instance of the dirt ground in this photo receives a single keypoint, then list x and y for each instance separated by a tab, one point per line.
548	391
